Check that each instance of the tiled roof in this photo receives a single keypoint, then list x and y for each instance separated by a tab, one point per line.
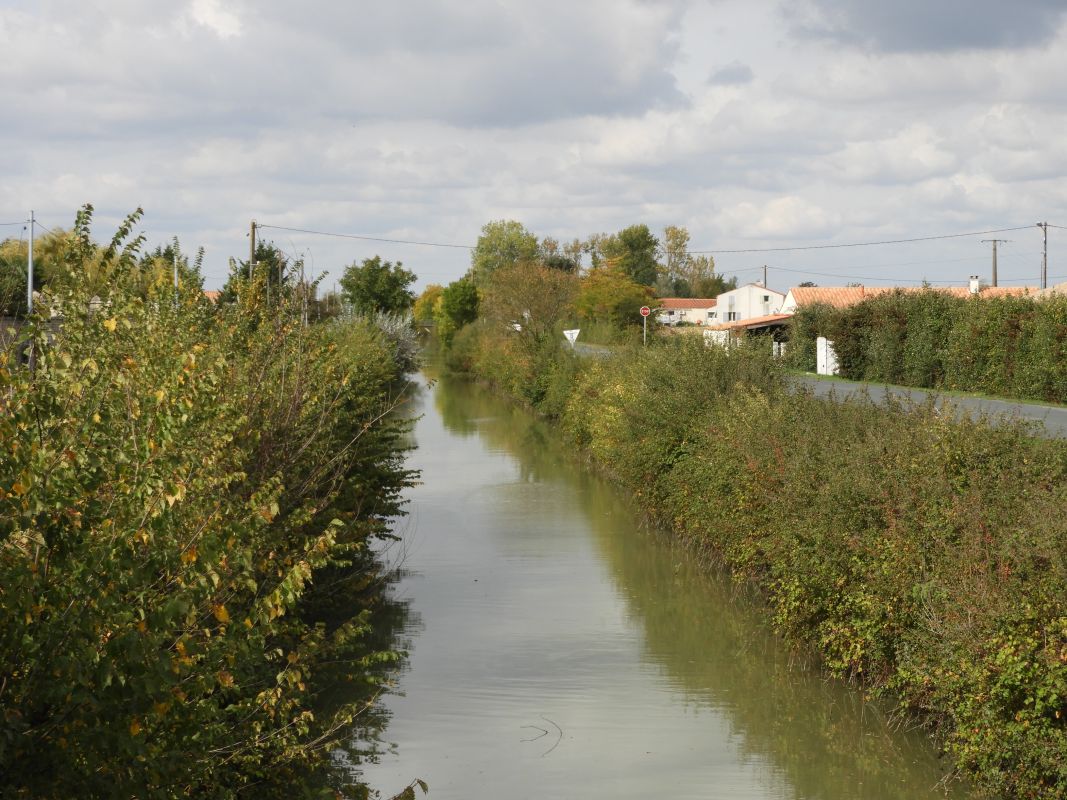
211	295
668	303
751	322
1059	288
844	296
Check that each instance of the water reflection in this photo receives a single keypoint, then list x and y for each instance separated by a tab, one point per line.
545	604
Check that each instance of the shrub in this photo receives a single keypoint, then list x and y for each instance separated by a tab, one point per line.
177	483
922	556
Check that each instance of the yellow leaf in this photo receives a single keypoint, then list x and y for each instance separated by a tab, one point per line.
135	728
111	324
159	394
221	614
18	488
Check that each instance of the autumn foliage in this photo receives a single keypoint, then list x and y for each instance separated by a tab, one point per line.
184	491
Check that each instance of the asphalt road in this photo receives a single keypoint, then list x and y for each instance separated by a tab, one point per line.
1050	421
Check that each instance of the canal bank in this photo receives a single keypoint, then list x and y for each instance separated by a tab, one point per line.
561	649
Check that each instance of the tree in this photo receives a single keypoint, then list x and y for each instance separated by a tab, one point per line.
49	264
676	253
423	309
533	296
704	281
555	257
633	250
378	286
503	243
270	270
457	306
607	295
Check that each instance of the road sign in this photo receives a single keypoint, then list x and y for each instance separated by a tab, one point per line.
572	334
645	311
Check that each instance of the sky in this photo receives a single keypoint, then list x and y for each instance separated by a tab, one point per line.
757	124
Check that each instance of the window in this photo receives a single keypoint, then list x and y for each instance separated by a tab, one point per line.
731	316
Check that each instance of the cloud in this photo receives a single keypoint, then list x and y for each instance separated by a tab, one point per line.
733	74
922	25
225	24
790	217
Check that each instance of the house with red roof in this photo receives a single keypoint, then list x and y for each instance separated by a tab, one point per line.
691	310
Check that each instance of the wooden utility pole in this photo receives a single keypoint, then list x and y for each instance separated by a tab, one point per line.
29	297
1044	255
251	249
29	272
764	276
995	242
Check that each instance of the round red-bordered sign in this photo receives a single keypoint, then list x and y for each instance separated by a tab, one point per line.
645	311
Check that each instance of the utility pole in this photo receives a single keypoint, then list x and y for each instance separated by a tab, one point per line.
764	276
251	249
29	293
995	242
1044	255
29	272
303	294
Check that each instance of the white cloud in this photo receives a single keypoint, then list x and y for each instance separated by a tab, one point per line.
209	13
783	217
425	119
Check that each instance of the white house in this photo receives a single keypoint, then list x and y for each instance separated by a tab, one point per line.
746	302
694	310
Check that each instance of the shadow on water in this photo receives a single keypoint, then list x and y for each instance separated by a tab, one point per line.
377	657
709	640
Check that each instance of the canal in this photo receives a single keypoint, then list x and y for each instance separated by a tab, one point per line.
561	649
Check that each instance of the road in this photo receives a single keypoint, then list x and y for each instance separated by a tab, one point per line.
1051	420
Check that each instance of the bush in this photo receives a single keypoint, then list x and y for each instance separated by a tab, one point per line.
177	485
921	556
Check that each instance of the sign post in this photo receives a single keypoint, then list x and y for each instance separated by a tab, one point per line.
645	311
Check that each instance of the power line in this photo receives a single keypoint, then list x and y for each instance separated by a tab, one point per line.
860	244
366	238
9	224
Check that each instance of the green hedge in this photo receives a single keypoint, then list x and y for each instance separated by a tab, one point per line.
922	556
185	494
1009	346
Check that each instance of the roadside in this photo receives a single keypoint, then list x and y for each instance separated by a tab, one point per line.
1051	421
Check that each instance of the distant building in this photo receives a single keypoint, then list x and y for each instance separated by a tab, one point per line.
747	302
845	296
693	310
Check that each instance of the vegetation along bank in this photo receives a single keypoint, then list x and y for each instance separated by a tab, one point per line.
188	492
923	556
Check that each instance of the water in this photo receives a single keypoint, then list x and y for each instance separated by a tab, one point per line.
559	649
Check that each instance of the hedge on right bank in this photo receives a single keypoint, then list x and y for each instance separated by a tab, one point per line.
923	556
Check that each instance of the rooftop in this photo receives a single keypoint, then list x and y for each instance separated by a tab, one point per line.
686	302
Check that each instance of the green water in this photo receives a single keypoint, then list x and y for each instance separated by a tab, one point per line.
559	649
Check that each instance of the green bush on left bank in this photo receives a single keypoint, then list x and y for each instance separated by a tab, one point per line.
185	492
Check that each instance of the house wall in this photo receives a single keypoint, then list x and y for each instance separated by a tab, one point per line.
789	305
695	316
746	302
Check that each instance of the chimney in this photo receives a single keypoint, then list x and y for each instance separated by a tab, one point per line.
974	287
